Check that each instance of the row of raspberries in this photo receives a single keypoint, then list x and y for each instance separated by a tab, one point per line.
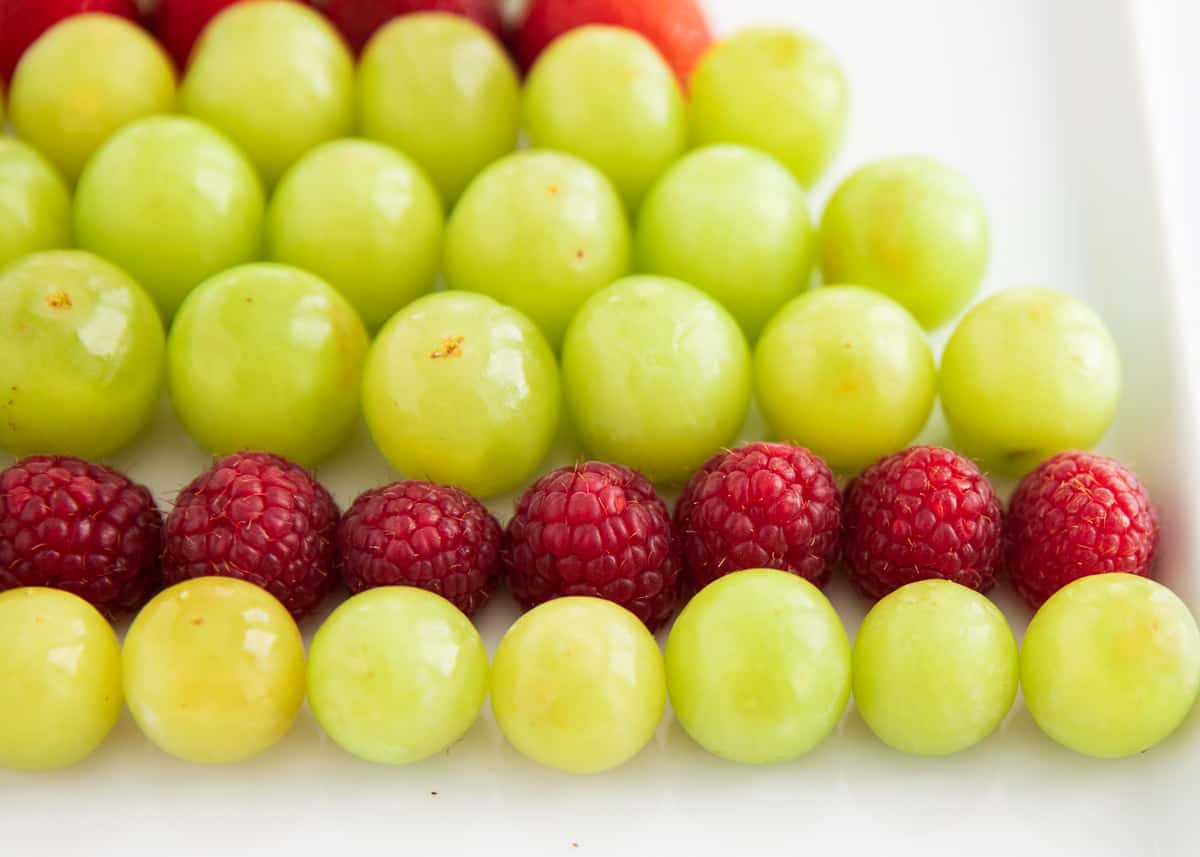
592	529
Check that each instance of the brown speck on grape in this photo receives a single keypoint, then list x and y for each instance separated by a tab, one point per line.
199	620
434	794
59	299
552	188
451	347
579	253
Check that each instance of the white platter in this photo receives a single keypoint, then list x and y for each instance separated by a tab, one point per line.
1044	105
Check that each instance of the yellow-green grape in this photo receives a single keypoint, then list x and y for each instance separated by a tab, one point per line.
935	668
213	670
463	391
758	667
443	91
605	94
1110	664
84	79
364	218
397	674
775	90
1027	373
734	223
578	684
35	205
847	373
267	357
276	78
60	669
657	376
81	356
540	231
911	228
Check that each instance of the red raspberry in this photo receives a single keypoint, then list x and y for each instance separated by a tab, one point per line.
359	19
763	505
179	23
922	513
23	21
260	518
81	527
420	534
678	28
594	529
1077	514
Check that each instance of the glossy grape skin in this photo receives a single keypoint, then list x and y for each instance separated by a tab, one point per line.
363	217
83	80
172	202
276	78
734	223
845	372
913	229
442	90
775	90
35	205
758	667
81	356
1110	665
657	376
935	668
462	391
267	357
539	231
578	684
213	670
606	95
397	674
62	679
1027	373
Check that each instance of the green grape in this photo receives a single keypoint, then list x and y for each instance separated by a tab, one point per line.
35	205
172	202
733	222
444	92
84	79
539	231
463	391
270	358
847	373
81	356
276	77
397	674
935	668
606	95
578	684
1028	373
362	216
758	667
657	376
911	228
213	670
1110	665
61	668
775	90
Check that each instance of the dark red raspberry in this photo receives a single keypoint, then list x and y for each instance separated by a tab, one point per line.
81	527
926	512
1077	514
763	505
420	534
358	20
594	529
22	22
260	518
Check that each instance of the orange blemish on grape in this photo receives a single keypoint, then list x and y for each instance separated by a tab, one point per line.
451	347
552	188
59	300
